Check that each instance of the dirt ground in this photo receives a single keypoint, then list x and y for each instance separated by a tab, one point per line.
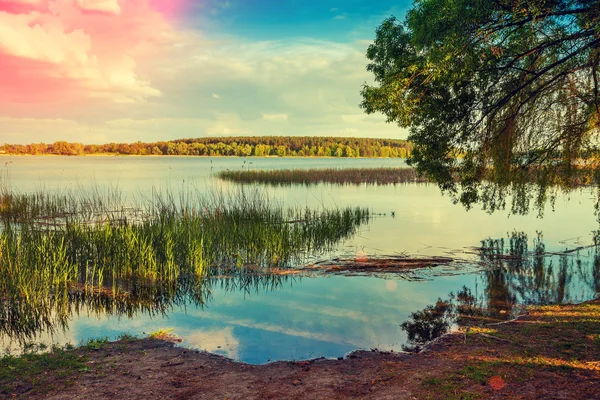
551	353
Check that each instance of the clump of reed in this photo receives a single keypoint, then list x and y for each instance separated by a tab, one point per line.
57	250
346	176
51	208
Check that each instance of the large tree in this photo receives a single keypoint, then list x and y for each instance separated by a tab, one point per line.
501	97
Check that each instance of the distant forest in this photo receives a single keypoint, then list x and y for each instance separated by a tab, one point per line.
259	146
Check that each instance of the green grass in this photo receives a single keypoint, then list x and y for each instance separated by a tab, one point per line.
478	373
26	374
60	253
95	343
127	337
355	176
445	388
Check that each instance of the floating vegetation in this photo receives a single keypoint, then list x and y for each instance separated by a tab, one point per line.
350	176
61	252
399	265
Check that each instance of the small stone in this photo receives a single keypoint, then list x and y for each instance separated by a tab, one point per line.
497	383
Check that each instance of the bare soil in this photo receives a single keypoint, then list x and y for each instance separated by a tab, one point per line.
552	352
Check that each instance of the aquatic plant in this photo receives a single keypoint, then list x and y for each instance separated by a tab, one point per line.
62	252
353	176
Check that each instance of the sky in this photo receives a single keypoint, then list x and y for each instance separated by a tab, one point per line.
99	71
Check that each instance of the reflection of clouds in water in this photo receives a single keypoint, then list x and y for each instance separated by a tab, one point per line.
304	297
391	285
134	326
328	311
220	341
10	345
248	323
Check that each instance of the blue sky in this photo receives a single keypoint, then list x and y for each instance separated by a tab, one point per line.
286	19
149	70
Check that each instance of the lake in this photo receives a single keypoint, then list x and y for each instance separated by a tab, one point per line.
300	317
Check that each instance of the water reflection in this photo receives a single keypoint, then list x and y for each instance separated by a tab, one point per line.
426	325
255	316
55	260
513	276
518	274
425	221
22	321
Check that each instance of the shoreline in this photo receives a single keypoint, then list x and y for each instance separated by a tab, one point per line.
551	351
190	156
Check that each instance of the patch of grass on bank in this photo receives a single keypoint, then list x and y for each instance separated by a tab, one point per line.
497	361
350	176
30	373
95	344
559	341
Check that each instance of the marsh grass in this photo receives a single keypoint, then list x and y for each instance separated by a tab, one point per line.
61	253
346	176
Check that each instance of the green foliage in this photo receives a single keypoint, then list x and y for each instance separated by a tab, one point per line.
95	344
127	337
497	94
259	146
62	252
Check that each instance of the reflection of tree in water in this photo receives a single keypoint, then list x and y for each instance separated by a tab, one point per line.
517	275
436	320
426	325
514	276
22	321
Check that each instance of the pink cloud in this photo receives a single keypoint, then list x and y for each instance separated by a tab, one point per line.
103	6
65	50
170	8
22	6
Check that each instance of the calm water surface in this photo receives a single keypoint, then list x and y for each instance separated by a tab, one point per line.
305	317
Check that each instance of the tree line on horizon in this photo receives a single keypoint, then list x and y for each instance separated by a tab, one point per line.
258	146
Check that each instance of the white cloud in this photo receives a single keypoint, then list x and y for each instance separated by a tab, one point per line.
304	87
121	76
22	36
275	117
291	331
94	56
221	341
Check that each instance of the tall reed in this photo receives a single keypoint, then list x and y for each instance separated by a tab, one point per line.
350	176
56	249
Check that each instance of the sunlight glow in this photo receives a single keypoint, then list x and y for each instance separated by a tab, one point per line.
67	50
